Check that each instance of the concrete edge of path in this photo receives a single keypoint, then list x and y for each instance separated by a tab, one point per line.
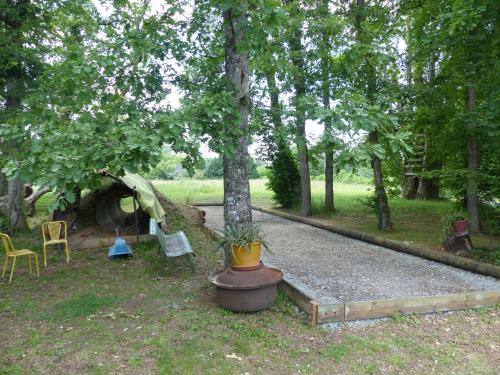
420	251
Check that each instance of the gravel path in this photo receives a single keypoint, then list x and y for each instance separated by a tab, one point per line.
332	268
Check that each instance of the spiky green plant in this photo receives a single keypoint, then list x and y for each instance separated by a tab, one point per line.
242	236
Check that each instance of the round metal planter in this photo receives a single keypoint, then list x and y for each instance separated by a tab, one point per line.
246	290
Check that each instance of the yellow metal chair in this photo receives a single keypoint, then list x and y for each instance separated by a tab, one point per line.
11	252
54	233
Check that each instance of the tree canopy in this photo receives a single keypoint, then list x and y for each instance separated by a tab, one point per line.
408	88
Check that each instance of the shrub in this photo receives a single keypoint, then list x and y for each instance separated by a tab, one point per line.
215	168
284	179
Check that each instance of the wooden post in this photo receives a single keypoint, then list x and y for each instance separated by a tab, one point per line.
314	313
134	197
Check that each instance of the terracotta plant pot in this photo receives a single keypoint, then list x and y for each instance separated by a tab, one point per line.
461	226
245	258
246	291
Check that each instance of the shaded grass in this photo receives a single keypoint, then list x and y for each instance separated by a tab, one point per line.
81	305
153	315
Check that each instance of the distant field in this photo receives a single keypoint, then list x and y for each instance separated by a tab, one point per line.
184	191
414	221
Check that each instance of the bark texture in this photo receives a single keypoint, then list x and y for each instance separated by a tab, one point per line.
15	196
472	164
36	195
299	85
14	86
237	207
409	183
409	186
15	205
383	211
4	185
33	198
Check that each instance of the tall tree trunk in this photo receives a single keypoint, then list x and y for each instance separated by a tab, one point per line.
14	91
3	184
325	93
409	185
237	206
299	85
428	187
421	189
383	211
305	178
15	208
15	196
472	163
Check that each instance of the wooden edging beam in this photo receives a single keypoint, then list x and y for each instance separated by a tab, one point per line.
406	306
302	300
420	251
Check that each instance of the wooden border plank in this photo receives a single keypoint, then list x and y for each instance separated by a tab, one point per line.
420	305
300	299
334	312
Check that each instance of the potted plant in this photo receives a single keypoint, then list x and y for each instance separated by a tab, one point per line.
244	244
247	285
455	222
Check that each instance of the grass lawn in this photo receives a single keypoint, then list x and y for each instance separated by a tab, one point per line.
415	221
147	315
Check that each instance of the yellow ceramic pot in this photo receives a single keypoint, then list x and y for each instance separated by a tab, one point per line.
245	257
